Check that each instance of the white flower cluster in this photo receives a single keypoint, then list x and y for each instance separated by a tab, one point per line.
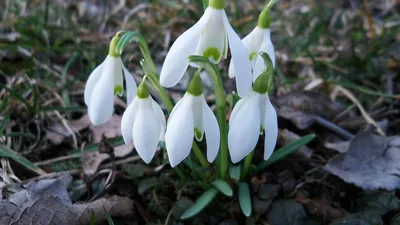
144	122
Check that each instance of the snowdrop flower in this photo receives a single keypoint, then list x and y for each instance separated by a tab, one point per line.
143	123
210	37
248	116
258	40
191	117
104	83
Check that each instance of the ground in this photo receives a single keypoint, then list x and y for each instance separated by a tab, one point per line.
336	86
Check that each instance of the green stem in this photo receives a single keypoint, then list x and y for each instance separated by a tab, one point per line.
223	126
247	163
203	161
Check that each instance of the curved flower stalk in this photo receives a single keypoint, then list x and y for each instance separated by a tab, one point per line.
210	37
258	40
191	117
105	82
143	123
249	115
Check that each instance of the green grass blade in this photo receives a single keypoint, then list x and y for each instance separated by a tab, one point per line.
244	198
285	151
8	153
223	187
109	220
200	203
235	171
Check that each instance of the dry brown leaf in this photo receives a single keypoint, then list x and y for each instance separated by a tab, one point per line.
111	129
286	137
92	160
58	132
320	207
47	203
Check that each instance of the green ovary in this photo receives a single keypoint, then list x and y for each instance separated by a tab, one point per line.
118	90
252	56
198	133
212	52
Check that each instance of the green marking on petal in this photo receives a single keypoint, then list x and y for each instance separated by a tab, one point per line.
118	90
212	52
197	133
252	56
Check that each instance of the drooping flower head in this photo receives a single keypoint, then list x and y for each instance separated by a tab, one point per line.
143	123
210	37
191	117
251	114
105	82
258	40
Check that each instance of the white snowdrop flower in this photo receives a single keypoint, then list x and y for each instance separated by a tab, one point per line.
191	117
258	40
105	82
251	114
143	123
210	37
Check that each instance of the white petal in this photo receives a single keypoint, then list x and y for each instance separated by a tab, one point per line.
252	43
271	129
198	115
244	129
127	121
130	86
211	129
146	131
213	37
268	48
176	61
160	118
180	132
94	77
240	60
101	104
235	109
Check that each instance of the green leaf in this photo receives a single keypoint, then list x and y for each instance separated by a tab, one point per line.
8	153
109	220
223	187
285	151
244	198
92	218
147	183
200	203
235	171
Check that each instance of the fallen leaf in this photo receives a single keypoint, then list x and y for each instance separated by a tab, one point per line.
372	162
92	160
58	132
286	137
320	207
359	219
287	212
302	107
341	147
111	129
265	195
378	203
47	202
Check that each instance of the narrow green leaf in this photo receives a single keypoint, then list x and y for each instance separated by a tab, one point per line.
8	153
244	198
285	151
92	218
201	203
235	171
3	124
109	220
223	187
